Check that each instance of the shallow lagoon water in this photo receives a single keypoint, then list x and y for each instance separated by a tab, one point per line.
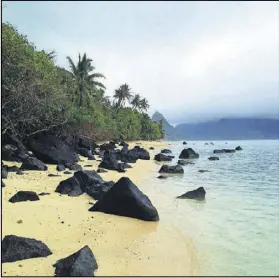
236	229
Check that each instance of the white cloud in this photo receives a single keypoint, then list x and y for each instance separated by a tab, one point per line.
189	59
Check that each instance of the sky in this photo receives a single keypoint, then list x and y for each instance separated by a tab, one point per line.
193	61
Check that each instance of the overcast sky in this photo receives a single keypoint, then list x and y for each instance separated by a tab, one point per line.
193	61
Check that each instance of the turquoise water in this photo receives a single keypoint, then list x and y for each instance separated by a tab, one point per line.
236	229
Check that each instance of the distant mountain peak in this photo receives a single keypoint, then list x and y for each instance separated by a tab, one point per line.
168	128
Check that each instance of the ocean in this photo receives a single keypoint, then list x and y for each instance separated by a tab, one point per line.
235	231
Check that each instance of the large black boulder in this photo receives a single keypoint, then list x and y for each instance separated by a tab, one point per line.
110	162
87	178
82	263
238	148
97	191
198	194
141	153
184	143
162	157
15	248
224	151
22	196
176	169
188	154
165	151
32	163
70	187
87	143
51	150
92	183
107	146
213	158
129	156
125	199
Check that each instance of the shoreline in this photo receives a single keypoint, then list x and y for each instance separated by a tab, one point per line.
122	246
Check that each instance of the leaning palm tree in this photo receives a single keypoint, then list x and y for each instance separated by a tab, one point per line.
122	95
136	102
86	80
144	104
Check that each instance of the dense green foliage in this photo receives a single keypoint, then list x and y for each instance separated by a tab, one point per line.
38	95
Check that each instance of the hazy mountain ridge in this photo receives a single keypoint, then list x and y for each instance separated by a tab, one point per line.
168	128
224	129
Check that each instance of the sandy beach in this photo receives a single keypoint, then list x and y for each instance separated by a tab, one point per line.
121	245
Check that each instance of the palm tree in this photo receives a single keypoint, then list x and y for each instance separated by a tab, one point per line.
144	104
122	95
136	102
84	77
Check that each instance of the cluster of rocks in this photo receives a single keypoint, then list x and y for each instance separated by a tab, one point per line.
16	248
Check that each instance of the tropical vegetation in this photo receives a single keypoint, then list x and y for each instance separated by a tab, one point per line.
38	95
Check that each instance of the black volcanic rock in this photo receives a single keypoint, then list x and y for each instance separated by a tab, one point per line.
82	263
70	187
203	171
22	196
165	151
162	177
87	143
52	150
238	148
15	248
162	157
177	169
75	167
184	143
32	163
213	158
188	154
109	162
198	194
125	199
224	151
184	162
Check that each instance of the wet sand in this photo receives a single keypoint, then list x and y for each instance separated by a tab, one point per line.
122	246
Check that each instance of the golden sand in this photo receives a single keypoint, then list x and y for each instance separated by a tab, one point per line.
121	245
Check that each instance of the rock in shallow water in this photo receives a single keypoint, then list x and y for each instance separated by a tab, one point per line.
162	157
81	263
188	154
198	194
15	248
238	148
125	199
22	196
177	169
